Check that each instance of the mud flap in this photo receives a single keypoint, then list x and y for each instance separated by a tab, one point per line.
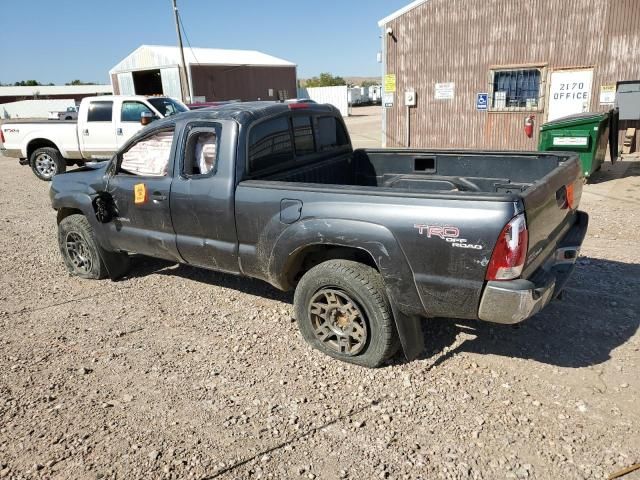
410	332
117	263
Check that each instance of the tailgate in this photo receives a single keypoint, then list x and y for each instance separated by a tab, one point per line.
547	213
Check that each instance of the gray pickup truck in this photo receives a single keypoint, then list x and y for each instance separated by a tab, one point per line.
372	241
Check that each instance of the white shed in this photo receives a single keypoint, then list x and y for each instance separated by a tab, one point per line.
213	74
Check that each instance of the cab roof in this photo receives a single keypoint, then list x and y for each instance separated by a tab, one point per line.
249	112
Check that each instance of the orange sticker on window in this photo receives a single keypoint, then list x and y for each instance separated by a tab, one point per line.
139	193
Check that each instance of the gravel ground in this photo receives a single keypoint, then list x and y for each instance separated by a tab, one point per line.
180	373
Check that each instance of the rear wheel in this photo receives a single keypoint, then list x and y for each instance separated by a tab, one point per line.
342	310
47	162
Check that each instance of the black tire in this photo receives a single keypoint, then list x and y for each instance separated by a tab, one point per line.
357	324
46	162
80	251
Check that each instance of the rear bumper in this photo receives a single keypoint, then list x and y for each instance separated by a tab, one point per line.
513	301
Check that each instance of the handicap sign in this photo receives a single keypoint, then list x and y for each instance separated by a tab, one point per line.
482	101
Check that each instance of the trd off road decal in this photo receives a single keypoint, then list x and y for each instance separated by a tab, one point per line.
449	234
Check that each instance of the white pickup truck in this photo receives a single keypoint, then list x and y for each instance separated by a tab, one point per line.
104	124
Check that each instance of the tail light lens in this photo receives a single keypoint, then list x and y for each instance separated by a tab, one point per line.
570	196
298	106
1	136
510	252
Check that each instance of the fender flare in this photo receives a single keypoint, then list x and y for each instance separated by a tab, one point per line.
82	202
381	245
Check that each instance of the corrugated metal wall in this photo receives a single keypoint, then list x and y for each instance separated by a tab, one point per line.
461	40
242	82
336	96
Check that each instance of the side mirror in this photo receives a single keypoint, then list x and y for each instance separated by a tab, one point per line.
146	118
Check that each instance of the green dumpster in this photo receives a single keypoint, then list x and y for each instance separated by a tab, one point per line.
584	133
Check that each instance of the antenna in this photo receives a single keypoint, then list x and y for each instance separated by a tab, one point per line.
183	75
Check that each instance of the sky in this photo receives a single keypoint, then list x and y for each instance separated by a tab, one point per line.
62	40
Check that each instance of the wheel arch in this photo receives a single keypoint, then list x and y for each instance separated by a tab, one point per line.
65	212
372	244
36	143
307	257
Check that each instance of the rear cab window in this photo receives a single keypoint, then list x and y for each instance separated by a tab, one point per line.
303	135
293	139
332	135
201	151
100	111
270	144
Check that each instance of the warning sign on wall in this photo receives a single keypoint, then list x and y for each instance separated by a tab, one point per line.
444	91
390	83
607	94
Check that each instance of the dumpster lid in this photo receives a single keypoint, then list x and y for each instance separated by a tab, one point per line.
578	119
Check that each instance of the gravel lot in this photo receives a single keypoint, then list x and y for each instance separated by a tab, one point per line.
175	372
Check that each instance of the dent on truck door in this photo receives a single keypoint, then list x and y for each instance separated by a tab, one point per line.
141	189
202	198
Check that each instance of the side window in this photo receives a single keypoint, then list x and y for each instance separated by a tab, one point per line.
303	135
100	111
201	153
149	157
270	144
131	111
332	134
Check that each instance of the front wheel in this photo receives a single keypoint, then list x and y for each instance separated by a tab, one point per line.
79	249
342	310
47	162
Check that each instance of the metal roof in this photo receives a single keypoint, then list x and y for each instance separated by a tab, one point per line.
401	12
45	90
156	56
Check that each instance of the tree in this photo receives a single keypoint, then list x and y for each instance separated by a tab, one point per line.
79	82
325	80
370	83
27	83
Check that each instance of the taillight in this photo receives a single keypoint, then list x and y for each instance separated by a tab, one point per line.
1	136
570	197
510	252
298	106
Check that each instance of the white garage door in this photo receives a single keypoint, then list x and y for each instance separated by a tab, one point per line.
171	82
125	82
570	92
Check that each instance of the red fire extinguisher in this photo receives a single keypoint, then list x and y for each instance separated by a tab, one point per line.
528	125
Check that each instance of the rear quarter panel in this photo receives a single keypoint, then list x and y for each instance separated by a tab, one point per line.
422	268
62	134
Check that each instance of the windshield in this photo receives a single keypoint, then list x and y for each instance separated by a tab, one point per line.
168	106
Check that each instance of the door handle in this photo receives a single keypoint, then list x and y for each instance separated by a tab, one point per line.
85	132
158	197
119	131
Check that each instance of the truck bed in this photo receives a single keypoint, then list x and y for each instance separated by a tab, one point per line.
421	171
535	180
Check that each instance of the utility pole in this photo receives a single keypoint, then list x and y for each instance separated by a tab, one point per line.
183	74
